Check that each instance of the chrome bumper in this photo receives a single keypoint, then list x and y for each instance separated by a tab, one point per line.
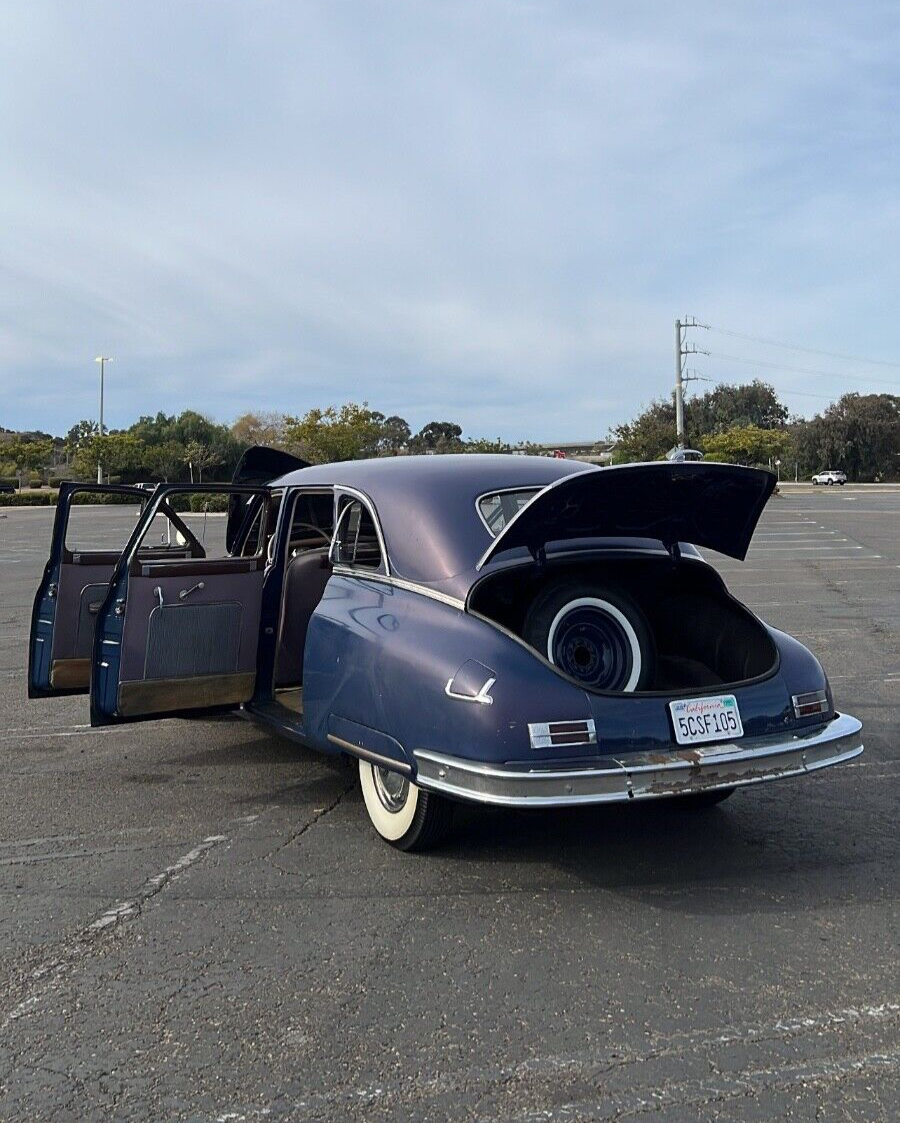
644	775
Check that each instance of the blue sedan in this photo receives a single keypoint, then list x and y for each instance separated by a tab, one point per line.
517	631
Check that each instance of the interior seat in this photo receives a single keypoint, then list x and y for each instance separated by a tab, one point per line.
305	578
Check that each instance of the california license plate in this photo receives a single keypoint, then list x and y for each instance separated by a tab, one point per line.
706	719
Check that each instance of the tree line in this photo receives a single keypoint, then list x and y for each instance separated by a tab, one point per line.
748	424
742	424
191	448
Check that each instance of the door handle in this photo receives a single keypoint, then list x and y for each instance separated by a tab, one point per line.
193	589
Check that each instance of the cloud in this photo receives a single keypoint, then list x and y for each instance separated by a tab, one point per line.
486	211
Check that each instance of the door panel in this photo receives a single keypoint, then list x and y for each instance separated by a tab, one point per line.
67	600
178	634
75	584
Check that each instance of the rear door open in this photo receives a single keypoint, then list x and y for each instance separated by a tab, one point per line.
716	506
179	635
91	524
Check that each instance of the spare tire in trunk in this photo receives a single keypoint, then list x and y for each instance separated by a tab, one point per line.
594	633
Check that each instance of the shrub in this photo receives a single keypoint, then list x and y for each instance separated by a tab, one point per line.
45	498
87	498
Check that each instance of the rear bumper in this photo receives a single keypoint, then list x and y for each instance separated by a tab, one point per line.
644	775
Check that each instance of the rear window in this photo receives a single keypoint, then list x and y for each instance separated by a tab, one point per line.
497	508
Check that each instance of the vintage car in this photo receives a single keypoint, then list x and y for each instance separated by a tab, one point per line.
519	631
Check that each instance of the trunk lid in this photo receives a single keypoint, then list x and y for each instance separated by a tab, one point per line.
711	505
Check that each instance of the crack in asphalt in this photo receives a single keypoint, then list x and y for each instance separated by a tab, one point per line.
318	814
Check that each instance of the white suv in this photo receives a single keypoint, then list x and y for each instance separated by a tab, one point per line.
830	478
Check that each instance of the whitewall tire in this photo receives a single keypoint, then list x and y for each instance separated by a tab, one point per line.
402	813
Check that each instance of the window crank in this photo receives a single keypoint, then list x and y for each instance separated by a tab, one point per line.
187	592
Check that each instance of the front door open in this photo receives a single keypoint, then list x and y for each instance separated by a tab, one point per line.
176	635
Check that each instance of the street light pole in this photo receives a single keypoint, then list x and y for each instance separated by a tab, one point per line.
102	360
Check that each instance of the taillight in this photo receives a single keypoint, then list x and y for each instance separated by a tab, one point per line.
815	702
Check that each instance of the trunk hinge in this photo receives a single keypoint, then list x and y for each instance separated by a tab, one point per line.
674	552
539	553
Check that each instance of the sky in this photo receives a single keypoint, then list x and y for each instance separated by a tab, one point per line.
488	211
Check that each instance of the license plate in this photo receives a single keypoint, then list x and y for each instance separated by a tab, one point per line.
706	719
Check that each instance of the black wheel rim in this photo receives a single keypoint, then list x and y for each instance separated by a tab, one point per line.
590	645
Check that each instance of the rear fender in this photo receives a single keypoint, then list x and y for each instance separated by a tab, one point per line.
383	657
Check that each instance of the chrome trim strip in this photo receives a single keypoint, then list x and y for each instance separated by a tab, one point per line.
644	775
400	583
367	754
540	736
482	696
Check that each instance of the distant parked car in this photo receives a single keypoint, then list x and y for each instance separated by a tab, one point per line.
830	478
6	489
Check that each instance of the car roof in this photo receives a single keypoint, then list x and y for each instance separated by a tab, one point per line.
426	504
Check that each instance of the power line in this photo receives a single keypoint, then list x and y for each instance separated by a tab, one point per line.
695	376
795	347
802	370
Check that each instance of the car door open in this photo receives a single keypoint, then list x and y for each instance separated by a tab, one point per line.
177	635
81	562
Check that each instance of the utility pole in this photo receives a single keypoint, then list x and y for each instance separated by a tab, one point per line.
681	349
679	387
102	360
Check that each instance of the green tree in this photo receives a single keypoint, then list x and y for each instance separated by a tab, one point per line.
728	407
117	453
198	456
859	434
187	428
165	461
394	435
348	432
648	437
28	456
485	444
746	444
82	431
437	436
652	433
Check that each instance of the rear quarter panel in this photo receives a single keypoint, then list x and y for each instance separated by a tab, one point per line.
381	656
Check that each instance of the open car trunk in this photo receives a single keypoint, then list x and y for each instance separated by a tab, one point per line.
697	634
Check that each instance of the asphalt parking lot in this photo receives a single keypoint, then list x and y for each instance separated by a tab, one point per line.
199	924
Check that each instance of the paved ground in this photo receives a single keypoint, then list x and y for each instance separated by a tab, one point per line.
198	923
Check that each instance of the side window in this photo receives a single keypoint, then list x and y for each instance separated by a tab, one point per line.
357	540
312	522
205	515
500	507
